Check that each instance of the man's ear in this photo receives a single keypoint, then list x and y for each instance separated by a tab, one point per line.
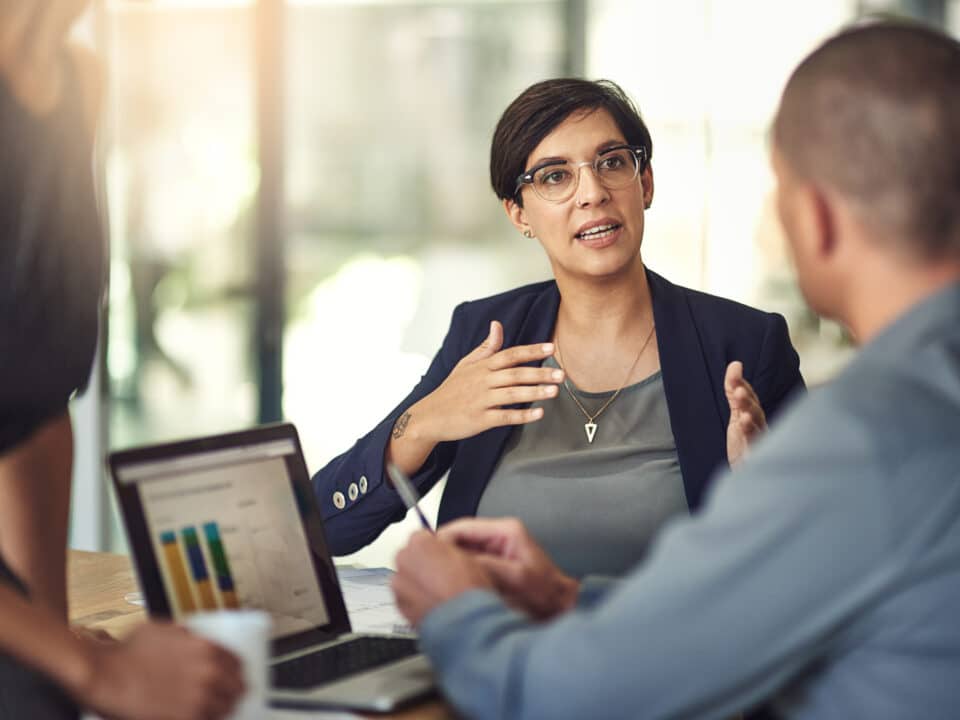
517	216
808	218
820	210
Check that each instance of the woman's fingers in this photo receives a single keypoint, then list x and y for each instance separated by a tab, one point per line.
522	394
479	391
491	344
499	417
520	354
525	376
746	401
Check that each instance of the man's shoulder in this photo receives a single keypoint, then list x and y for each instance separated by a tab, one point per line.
882	410
912	399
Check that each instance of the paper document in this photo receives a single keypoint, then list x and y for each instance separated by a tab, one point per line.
369	600
278	714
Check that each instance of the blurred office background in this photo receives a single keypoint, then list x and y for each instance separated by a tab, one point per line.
298	194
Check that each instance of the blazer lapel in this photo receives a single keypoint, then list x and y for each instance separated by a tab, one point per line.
695	419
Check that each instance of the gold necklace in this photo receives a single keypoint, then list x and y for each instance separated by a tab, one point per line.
590	426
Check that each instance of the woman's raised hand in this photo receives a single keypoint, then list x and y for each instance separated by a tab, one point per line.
476	393
747	419
475	397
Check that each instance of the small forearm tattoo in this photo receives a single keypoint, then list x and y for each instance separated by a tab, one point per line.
400	426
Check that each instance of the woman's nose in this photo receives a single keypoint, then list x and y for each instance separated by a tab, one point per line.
590	191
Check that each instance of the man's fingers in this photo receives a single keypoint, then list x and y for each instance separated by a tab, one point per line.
508	575
403	590
492	535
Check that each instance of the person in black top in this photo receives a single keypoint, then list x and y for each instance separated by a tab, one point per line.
52	261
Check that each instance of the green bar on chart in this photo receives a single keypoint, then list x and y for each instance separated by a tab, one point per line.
221	566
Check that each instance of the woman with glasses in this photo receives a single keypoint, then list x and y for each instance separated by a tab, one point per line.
594	406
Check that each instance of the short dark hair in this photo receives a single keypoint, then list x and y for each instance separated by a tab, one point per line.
539	109
874	114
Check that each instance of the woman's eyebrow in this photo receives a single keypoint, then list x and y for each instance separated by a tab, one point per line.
610	144
554	160
557	160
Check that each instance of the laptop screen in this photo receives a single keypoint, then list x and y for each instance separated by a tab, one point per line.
225	526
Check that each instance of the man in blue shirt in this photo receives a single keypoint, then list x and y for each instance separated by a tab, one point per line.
822	578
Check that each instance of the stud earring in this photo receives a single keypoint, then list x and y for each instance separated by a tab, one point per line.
527	234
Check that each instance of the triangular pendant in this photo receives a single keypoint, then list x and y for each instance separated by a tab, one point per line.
591	429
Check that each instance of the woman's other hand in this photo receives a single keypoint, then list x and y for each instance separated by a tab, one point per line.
474	398
747	419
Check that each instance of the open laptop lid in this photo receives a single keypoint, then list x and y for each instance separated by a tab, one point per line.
231	521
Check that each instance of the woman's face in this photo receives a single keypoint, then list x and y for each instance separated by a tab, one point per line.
560	227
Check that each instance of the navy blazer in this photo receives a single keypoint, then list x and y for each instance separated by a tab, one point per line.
697	336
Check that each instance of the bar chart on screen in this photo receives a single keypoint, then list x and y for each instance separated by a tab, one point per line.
231	537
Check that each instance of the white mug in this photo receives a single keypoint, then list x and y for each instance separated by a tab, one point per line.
246	633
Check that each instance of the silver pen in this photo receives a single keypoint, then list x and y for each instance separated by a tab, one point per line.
407	492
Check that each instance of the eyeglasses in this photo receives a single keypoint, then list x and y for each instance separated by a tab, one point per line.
557	180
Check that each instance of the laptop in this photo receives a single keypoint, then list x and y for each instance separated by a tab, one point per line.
230	521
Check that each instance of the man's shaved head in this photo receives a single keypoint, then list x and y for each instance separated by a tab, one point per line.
874	115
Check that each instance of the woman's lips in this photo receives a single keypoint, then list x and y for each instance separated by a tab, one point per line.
600	236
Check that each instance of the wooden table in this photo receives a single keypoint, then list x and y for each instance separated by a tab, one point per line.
98	582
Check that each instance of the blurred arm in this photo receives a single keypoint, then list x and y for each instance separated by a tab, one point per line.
34	509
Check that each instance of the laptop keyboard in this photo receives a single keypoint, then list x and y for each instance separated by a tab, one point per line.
341	660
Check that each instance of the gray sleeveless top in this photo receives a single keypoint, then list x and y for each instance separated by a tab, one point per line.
593	506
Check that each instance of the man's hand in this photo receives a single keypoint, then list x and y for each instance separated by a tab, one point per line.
160	672
520	569
747	419
431	572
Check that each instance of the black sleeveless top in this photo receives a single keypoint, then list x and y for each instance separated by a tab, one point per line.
52	269
52	261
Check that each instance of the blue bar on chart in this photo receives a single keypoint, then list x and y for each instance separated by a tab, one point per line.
198	566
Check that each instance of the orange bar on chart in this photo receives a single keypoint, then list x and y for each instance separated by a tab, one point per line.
178	573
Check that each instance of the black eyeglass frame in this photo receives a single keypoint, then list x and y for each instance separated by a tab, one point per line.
526	178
